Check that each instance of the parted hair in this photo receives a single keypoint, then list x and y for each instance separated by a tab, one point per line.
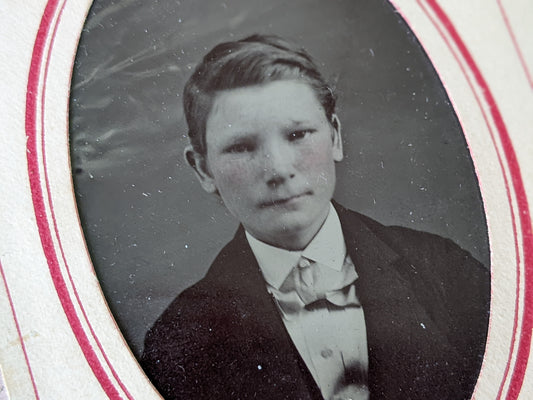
254	60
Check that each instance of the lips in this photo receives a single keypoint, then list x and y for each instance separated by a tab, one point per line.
283	200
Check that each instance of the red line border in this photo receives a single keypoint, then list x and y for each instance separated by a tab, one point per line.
19	332
524	343
507	189
37	61
515	43
54	221
45	233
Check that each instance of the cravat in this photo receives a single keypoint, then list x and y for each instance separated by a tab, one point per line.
319	307
315	285
304	281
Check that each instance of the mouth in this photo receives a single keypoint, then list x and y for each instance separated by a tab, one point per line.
282	201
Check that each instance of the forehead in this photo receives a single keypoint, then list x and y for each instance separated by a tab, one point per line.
270	103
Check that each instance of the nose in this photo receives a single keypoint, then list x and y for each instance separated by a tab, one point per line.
279	164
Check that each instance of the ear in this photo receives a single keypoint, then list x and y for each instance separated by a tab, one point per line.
199	164
337	138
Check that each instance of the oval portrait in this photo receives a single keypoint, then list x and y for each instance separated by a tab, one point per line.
279	201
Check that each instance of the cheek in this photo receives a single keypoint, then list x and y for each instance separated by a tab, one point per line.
317	159
232	176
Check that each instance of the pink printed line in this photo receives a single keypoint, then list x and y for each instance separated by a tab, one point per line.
21	339
507	190
515	43
38	200
54	221
524	344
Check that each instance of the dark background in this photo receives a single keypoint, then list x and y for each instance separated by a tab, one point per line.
150	228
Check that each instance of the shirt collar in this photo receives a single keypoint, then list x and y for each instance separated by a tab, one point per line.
327	248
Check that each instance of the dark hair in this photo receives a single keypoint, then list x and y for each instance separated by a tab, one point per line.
251	61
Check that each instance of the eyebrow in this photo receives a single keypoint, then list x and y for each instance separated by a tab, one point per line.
298	122
242	135
239	137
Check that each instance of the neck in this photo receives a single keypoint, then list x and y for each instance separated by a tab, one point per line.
293	240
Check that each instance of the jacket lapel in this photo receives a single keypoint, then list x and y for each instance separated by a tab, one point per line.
266	338
404	343
402	338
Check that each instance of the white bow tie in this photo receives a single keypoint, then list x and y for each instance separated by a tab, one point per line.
312	285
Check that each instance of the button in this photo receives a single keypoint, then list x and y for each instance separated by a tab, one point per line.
304	263
326	353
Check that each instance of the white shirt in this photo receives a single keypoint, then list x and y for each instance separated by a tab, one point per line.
331	340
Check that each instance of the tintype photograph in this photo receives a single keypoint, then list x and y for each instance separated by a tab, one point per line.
279	201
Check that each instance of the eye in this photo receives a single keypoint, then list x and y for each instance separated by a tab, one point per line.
300	134
240	147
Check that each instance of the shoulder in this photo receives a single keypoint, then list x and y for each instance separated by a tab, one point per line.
395	236
204	326
195	312
182	341
410	244
438	270
436	267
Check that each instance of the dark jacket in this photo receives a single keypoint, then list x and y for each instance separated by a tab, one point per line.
426	305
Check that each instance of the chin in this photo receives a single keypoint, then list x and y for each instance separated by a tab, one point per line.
294	228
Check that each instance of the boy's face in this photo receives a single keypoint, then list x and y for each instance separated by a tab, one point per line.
271	155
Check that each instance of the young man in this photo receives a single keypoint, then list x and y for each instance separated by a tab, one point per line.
309	300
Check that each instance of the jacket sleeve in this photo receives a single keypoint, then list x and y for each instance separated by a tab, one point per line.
455	289
176	349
